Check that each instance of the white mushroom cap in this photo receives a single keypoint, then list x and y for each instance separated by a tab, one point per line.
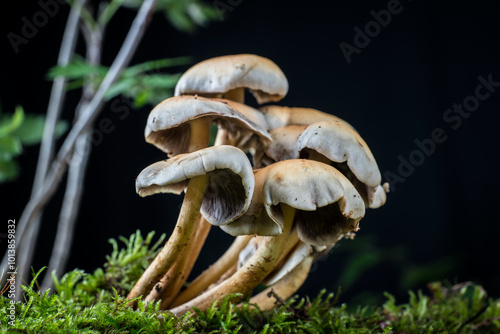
168	123
335	142
327	204
277	116
221	74
230	186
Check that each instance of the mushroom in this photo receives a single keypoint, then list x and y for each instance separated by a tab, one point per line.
218	182
314	197
182	124
229	75
335	143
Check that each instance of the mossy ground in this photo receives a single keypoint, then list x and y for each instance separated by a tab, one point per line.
95	303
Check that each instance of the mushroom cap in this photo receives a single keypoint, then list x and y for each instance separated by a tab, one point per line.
336	142
260	75
277	116
340	143
327	204
168	123
230	186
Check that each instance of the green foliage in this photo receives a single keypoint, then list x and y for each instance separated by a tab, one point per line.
184	15
18	130
143	83
95	303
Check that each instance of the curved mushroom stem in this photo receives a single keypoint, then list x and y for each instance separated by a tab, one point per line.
210	275
284	288
251	274
200	134
183	232
170	285
237	95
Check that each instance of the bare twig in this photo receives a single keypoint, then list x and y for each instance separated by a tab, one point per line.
89	113
69	210
77	168
56	101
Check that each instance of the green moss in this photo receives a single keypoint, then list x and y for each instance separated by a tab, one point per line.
96	303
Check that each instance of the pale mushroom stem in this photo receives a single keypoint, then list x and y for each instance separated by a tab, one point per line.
251	274
284	288
292	241
170	285
216	270
179	239
237	95
200	134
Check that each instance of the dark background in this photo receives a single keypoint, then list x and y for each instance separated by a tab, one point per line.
441	223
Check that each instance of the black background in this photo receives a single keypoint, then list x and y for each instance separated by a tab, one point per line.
441	223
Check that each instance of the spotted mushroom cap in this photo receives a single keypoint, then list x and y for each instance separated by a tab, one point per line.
168	125
327	204
230	186
216	75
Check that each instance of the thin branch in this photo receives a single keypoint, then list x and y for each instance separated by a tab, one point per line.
89	114
77	168
69	210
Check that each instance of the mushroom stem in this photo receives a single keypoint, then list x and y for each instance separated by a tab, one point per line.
210	275
200	134
170	285
284	288
237	95
251	274
178	241
292	241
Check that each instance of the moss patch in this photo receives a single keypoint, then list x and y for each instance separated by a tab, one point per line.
95	303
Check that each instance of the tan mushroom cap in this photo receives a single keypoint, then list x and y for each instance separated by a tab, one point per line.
277	116
260	75
168	125
327	204
336	142
230	186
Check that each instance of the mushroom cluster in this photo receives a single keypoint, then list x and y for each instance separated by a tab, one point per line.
288	183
